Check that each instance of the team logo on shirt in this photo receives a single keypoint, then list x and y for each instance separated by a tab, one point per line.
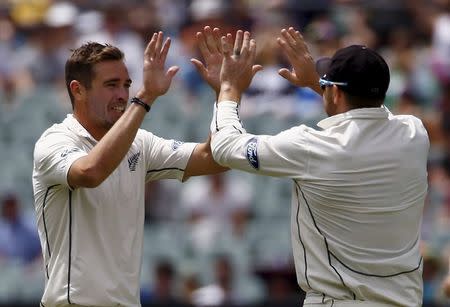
133	161
176	144
66	152
252	153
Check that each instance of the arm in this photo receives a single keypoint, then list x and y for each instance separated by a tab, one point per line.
92	169
303	72
201	162
281	155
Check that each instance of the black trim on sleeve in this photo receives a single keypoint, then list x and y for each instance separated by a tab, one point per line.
46	271
70	247
237	113
240	131
165	169
41	304
217	111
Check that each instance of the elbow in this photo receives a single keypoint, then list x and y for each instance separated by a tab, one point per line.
217	153
89	178
92	181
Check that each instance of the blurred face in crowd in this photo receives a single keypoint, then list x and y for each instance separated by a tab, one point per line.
106	99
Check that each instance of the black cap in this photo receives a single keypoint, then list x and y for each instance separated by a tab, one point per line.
364	70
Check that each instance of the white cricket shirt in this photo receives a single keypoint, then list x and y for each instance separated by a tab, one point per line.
92	238
359	185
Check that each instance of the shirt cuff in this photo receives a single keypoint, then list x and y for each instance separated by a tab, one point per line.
227	114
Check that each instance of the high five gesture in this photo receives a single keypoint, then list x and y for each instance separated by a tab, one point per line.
238	66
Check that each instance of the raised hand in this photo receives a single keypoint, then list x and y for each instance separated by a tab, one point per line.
303	71
211	51
238	66
156	79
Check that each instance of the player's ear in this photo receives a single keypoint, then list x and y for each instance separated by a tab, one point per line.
77	89
337	94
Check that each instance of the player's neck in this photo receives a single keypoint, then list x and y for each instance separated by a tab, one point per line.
95	130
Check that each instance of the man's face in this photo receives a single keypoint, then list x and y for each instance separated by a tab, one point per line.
108	95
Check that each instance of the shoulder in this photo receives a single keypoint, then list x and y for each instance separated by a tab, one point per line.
143	134
414	126
58	135
53	134
410	120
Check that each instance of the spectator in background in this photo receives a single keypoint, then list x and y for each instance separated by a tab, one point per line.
222	291
45	53
215	205
114	30
162	290
19	239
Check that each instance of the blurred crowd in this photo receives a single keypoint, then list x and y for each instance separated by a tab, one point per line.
222	238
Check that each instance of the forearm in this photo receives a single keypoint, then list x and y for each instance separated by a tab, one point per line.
227	133
229	92
93	169
201	162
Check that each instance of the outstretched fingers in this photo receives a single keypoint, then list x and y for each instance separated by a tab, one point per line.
300	41
286	48
238	42
216	34
211	42
158	46
287	36
201	40
165	50
252	52
150	49
245	44
226	42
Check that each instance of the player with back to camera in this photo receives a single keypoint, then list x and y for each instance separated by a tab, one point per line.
358	182
90	171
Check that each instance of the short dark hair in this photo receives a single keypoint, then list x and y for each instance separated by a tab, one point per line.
356	101
80	64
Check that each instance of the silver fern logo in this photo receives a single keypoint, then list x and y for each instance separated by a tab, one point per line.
133	161
176	144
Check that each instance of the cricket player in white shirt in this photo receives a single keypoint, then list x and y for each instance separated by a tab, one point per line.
358	182
90	171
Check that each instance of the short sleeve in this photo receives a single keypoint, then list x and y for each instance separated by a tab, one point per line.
165	159
53	157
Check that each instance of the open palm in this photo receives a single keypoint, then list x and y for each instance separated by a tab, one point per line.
210	49
156	79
